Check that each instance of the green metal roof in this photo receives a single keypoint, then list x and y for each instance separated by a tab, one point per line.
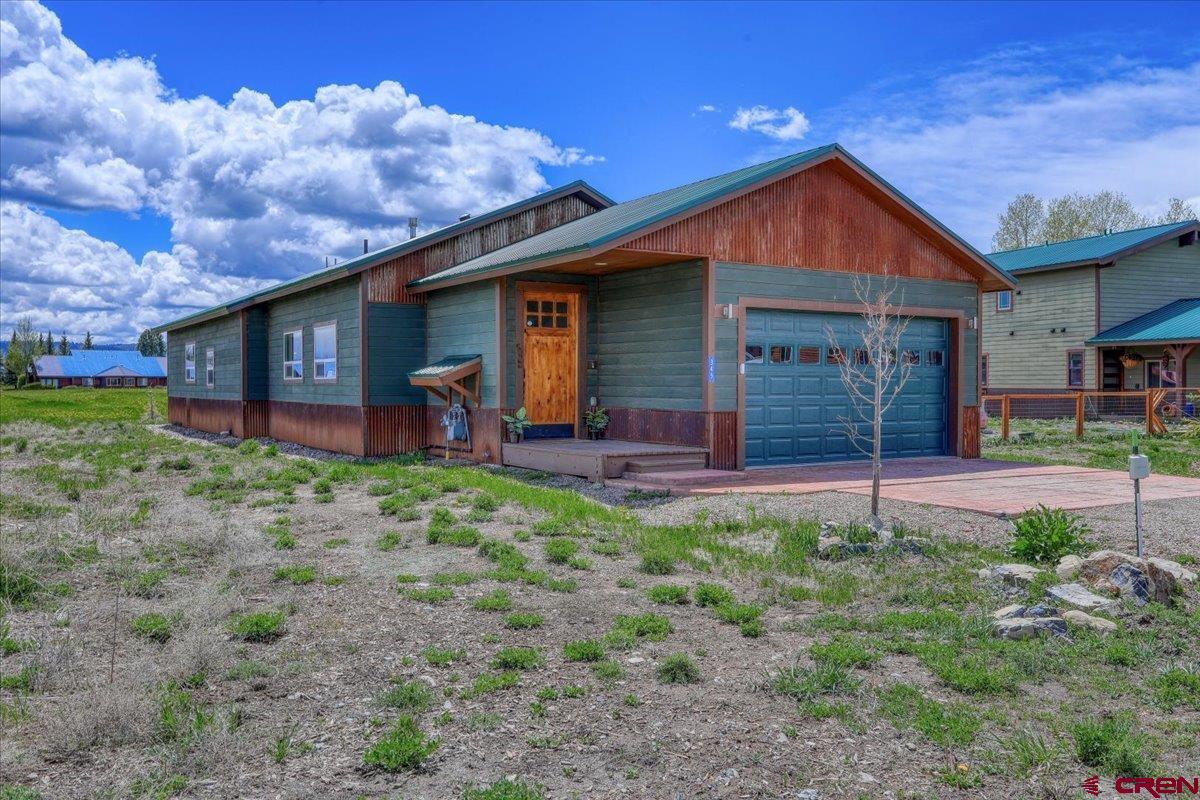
359	263
1088	250
1175	322
442	366
595	231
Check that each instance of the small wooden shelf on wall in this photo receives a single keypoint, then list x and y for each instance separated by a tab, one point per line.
450	375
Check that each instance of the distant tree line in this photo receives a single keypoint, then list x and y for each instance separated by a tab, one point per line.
26	346
1030	221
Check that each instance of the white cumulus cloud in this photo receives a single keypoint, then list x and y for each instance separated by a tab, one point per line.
254	189
783	124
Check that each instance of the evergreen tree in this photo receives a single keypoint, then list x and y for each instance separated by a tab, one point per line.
87	341
13	368
151	344
64	347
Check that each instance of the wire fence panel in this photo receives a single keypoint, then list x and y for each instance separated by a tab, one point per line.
1156	408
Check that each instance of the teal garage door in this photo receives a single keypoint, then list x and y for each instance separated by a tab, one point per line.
795	398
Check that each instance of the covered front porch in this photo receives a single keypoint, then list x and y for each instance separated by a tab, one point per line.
1158	350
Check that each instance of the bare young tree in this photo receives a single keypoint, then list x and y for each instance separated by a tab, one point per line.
874	371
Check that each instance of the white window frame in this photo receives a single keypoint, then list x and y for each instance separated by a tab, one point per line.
128	381
1000	307
143	381
89	381
210	367
293	371
325	363
189	362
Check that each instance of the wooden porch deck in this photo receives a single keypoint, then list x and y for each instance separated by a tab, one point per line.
595	460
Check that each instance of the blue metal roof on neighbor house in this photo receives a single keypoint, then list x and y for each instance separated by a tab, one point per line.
91	363
359	263
607	227
1175	322
1088	250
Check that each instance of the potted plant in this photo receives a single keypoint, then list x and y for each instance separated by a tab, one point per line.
517	423
596	420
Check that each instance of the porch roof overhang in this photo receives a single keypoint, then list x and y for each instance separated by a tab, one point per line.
450	374
1173	324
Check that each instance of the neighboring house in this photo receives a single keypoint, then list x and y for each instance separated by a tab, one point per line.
697	316
102	369
1112	312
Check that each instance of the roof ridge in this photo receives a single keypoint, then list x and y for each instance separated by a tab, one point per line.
1094	236
764	164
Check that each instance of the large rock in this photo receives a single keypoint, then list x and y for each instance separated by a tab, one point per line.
1076	596
1131	582
1083	620
1015	574
1177	570
1100	564
1146	580
1009	612
828	545
1068	565
1020	628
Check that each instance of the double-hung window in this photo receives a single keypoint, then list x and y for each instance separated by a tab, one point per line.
325	352
210	367
293	356
189	362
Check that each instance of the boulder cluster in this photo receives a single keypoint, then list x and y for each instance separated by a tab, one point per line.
834	544
1088	584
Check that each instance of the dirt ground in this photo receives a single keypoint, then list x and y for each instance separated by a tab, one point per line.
108	712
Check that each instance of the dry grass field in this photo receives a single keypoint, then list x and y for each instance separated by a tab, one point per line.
183	619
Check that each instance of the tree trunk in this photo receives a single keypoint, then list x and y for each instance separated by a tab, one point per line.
877	445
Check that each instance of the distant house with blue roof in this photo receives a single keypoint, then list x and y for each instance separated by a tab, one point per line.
102	369
1115	312
697	316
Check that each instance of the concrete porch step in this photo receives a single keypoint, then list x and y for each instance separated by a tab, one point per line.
672	463
684	477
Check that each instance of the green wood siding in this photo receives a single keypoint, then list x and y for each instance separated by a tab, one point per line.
462	320
1148	280
337	302
1030	357
395	347
256	353
649	338
515	329
225	336
747	280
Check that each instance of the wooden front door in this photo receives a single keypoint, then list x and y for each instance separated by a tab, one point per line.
551	349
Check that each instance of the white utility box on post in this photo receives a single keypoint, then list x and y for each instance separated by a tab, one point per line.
1139	469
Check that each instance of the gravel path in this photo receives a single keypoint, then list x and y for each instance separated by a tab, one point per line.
1172	527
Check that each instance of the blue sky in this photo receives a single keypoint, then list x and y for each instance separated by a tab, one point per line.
960	105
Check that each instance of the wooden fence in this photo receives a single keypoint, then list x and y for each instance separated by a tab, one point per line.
1155	406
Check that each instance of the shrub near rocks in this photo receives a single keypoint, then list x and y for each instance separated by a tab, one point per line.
1044	535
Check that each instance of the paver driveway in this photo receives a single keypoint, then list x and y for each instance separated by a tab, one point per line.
999	488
